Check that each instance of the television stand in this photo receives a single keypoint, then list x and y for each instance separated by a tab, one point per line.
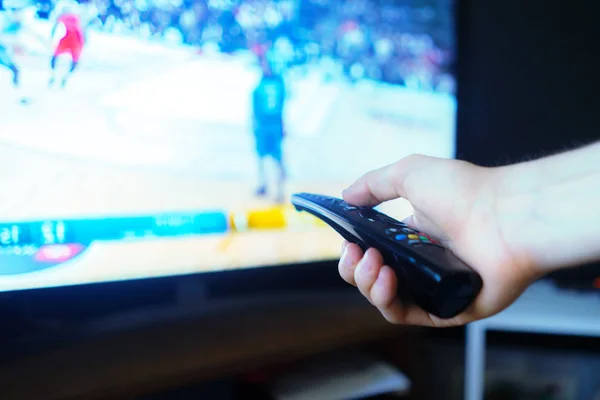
543	309
221	343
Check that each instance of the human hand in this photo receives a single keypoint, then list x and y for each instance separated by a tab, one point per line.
455	202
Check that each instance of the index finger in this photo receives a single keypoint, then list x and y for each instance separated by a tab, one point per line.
383	184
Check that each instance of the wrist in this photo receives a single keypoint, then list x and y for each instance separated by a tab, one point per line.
549	220
515	195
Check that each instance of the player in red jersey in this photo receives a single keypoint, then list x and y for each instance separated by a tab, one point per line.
71	42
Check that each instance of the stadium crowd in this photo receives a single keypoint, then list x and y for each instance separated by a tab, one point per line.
383	40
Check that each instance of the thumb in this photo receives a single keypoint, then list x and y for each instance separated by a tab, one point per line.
383	184
422	224
410	222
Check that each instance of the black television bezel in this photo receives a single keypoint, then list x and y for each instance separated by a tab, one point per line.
82	302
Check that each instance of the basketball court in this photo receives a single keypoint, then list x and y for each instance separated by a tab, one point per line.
144	129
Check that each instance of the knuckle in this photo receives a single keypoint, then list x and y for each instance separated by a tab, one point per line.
413	157
391	318
369	176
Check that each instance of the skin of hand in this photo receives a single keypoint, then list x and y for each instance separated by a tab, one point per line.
457	204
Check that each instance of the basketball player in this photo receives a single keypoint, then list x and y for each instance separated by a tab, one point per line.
281	56
11	26
71	39
268	102
7	61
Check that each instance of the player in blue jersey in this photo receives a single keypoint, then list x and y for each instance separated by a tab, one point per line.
268	101
13	25
10	26
7	62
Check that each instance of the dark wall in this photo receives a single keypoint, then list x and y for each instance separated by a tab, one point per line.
528	77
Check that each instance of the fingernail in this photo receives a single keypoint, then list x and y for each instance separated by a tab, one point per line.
366	260
344	257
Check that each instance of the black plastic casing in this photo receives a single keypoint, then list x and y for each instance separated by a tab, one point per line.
437	280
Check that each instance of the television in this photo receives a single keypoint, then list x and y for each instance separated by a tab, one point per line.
158	138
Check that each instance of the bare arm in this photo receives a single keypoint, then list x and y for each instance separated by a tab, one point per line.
549	209
512	224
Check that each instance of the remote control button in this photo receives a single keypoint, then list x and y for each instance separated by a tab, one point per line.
392	231
368	214
368	218
401	237
350	208
419	243
398	225
391	220
431	245
373	215
412	236
427	239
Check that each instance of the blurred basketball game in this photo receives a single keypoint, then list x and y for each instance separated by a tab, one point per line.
136	107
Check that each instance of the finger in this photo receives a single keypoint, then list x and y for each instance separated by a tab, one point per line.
344	244
351	255
410	222
384	295
424	225
367	270
383	184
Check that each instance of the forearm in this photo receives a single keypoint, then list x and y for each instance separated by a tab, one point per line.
549	209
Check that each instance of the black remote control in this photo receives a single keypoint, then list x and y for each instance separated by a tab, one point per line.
438	281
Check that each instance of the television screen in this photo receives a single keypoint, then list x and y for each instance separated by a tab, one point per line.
149	138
